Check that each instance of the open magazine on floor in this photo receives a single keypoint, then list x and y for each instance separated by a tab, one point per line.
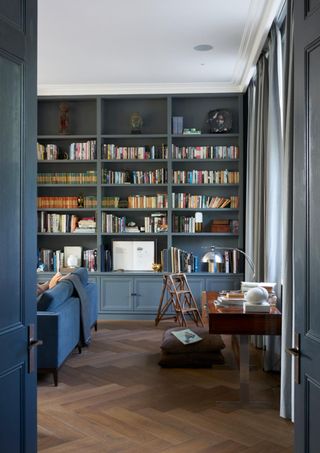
187	336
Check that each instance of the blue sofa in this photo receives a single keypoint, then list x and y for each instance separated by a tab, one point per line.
58	319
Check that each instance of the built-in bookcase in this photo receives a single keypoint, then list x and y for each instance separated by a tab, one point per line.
156	179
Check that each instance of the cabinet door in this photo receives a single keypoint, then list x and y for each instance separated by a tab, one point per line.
147	294
116	294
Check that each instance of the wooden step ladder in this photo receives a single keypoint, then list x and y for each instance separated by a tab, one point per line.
177	296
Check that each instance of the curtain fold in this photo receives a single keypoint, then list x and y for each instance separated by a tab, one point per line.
264	179
287	387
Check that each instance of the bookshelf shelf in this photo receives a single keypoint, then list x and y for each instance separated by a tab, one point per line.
134	209
139	234
133	136
100	127
208	185
205	233
130	161
67	137
210	136
130	185
67	234
222	210
68	185
67	161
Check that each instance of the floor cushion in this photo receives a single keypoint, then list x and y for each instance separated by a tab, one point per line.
191	360
202	354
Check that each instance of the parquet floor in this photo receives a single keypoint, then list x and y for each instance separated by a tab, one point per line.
115	398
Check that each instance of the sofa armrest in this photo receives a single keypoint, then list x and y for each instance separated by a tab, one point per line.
60	333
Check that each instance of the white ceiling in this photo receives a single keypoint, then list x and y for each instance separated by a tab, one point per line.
146	46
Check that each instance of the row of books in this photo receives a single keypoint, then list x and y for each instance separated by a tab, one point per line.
157	176
205	152
186	200
183	224
54	260
177	260
64	223
111	151
87	177
155	223
226	261
76	151
205	177
46	202
159	201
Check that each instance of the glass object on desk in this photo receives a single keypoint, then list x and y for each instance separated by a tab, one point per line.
272	299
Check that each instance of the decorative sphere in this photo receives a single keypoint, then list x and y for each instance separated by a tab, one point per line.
257	295
72	261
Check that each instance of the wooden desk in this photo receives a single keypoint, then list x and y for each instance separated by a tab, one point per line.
233	321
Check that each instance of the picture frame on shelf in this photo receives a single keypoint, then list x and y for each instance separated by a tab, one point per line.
72	256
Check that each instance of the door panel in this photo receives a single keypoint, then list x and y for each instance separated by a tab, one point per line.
10	139
11	407
13	12
18	97
306	221
313	189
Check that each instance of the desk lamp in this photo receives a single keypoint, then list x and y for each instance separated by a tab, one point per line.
215	259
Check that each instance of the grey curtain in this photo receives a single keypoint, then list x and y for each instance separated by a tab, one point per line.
286	394
264	178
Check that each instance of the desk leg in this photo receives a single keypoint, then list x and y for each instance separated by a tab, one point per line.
244	369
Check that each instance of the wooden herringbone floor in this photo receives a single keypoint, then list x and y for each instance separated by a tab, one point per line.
115	398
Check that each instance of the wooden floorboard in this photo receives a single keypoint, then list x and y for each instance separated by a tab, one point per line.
114	397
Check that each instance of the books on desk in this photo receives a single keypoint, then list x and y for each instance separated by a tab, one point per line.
225	301
256	308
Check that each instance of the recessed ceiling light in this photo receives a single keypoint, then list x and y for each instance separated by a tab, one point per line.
203	47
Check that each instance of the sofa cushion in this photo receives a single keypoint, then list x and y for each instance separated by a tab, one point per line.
54	297
209	342
191	359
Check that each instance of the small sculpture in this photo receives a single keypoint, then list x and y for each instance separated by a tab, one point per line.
80	200
64	122
156	267
136	123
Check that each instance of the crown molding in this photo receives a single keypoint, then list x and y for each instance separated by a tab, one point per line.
258	24
136	88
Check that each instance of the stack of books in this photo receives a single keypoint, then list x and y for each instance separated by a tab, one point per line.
231	299
86	225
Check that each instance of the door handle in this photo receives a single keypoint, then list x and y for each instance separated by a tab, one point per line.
32	344
293	351
296	353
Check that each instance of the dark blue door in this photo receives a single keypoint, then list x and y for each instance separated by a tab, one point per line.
18	47
306	225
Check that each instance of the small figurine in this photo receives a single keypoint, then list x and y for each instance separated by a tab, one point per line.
136	123
80	201
64	118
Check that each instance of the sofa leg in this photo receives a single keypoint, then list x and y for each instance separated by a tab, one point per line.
96	326
55	377
79	347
